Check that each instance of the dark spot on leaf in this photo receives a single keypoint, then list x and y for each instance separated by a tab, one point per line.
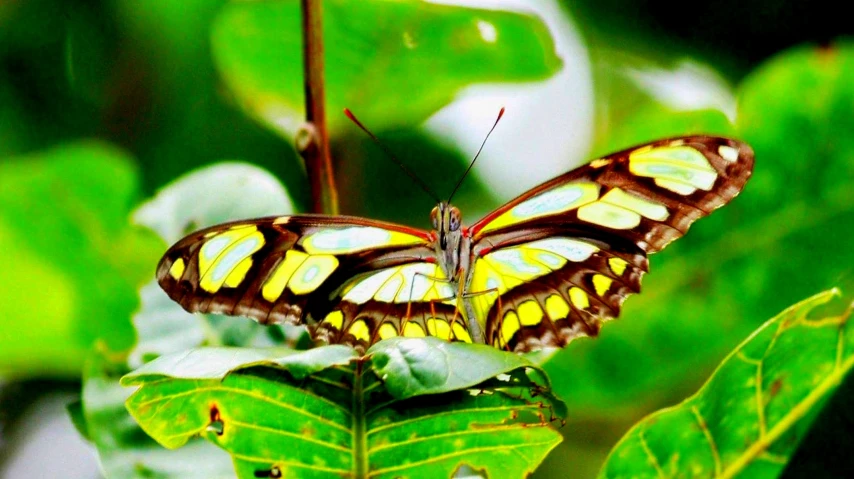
775	388
216	425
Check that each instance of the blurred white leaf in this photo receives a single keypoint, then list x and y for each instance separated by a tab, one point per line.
210	195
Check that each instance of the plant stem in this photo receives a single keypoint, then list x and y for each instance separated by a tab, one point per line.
312	140
360	446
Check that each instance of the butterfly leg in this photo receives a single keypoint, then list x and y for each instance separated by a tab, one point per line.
429	295
474	326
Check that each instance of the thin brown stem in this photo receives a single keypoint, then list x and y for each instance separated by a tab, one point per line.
312	140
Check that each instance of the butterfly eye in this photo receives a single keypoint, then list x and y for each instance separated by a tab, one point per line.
434	217
454	223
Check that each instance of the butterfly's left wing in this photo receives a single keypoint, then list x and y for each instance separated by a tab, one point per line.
351	280
555	262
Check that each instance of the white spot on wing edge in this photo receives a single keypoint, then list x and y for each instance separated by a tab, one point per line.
728	153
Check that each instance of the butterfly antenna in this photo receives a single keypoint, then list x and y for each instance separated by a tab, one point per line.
500	114
393	158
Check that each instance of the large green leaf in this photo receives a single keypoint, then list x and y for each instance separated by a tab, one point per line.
392	63
72	262
751	414
124	450
399	411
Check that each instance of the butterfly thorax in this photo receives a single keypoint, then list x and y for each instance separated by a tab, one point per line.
448	232
453	251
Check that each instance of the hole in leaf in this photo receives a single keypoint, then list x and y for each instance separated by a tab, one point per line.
272	472
467	472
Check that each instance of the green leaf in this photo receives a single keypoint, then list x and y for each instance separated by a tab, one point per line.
217	363
413	367
69	254
123	449
325	413
392	63
751	414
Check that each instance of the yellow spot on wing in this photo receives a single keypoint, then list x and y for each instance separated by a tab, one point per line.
367	288
312	273
641	206
275	284
461	333
334	319
516	262
680	163
617	265
601	284
239	244
218	242
238	274
571	249
359	330
675	186
530	313
552	201
556	307
413	330
177	268
438	328
600	163
606	214
390	289
509	326
354	238
579	298
387	330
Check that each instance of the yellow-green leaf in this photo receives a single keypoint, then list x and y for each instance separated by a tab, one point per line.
751	414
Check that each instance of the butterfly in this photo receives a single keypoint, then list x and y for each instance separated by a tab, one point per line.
546	268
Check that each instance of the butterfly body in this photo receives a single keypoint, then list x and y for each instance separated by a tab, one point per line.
548	267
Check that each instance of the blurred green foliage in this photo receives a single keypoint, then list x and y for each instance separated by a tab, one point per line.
103	102
75	263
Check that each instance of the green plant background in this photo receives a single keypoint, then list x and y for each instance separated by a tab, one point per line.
102	103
